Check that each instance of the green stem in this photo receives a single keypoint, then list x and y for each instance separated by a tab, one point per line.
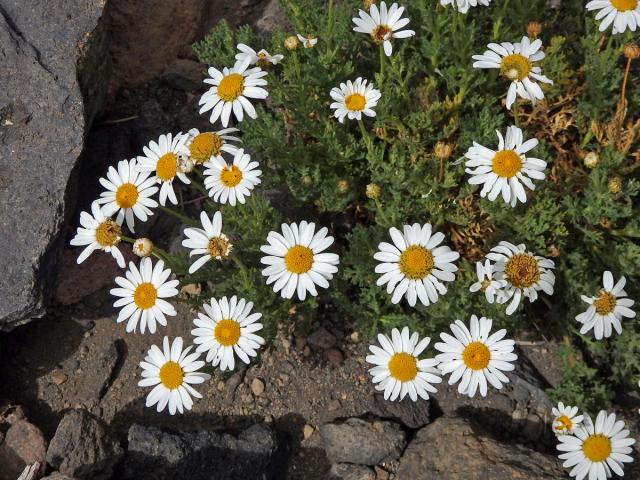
382	62
498	23
367	140
200	187
180	216
127	239
329	27
380	212
516	118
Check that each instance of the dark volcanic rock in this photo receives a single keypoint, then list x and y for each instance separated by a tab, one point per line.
453	449
167	455
364	443
53	76
348	471
23	445
407	412
83	448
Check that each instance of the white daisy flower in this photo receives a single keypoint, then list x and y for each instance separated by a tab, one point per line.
622	14
597	450
308	41
227	327
398	370
210	242
201	147
352	99
606	309
231	90
231	183
128	193
163	158
463	5
565	419
506	170
143	292
487	283
473	357
295	262
383	25
171	372
515	62
524	273
262	58
98	232
415	266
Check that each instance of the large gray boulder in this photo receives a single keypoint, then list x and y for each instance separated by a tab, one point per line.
164	455
54	73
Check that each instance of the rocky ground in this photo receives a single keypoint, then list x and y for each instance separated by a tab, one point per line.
69	400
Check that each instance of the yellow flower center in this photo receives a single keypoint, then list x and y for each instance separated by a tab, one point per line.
380	33
506	163
127	195
624	5
476	356
204	146
219	247
230	176
605	303
298	259
167	166
108	233
403	367
416	262
227	332
597	448
171	375
515	67
563	423
231	87
145	295
355	102
484	285
522	270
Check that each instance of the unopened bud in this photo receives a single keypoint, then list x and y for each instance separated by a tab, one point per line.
343	186
306	179
534	29
443	150
367	3
631	51
615	185
291	42
142	247
591	160
373	191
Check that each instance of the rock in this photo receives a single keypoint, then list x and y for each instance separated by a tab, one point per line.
407	412
156	40
58	377
272	17
82	447
57	476
98	374
453	449
76	282
347	471
257	387
307	431
169	455
364	443
321	339
23	445
334	357
54	72
519	410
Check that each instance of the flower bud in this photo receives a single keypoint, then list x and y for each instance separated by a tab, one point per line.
291	42
373	191
534	29
142	247
591	160
631	51
367	3
343	186
443	150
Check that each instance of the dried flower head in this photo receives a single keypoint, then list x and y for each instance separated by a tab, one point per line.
615	185
443	150
343	186
631	51
534	29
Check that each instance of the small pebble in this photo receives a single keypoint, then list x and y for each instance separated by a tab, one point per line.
307	431
58	377
257	387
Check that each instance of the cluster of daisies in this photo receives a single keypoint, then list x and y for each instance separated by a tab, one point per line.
415	265
591	450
